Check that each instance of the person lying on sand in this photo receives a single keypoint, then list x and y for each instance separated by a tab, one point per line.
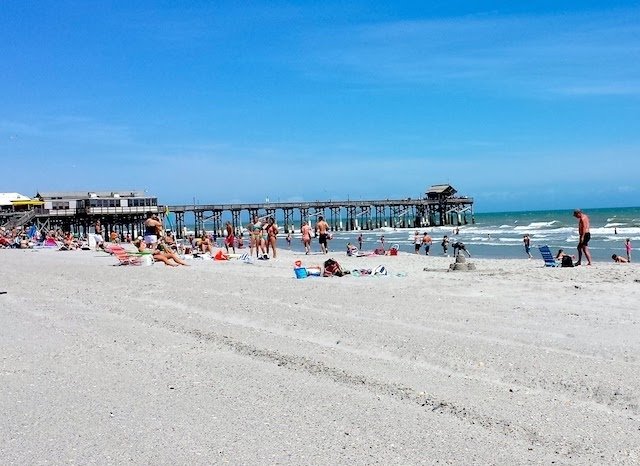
562	254
161	254
619	259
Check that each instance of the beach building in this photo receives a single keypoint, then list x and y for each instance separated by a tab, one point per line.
77	211
97	203
9	202
445	208
14	207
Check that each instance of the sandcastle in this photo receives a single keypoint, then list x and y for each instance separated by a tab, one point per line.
461	264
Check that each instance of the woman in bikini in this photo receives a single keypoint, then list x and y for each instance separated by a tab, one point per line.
272	236
156	254
257	239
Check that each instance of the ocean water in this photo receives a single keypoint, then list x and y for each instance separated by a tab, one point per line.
499	235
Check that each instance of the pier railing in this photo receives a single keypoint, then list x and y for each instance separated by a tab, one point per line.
349	214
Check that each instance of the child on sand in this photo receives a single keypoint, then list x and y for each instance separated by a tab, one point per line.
627	246
619	259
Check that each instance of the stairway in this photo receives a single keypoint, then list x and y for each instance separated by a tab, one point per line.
23	219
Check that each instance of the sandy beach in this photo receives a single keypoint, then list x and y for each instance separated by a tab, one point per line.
233	363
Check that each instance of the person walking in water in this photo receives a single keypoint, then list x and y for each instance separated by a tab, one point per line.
627	246
445	245
427	241
527	245
585	236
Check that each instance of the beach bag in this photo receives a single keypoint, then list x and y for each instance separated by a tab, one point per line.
221	256
567	261
380	270
331	268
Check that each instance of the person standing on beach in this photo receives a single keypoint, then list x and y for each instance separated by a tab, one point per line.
272	236
230	239
527	245
152	229
98	234
258	240
322	230
585	236
627	246
289	240
306	237
360	241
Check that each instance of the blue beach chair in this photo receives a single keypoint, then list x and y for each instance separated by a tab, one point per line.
549	260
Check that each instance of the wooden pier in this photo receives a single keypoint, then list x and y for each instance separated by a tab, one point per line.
347	215
126	213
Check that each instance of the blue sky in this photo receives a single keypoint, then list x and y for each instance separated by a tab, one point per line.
522	105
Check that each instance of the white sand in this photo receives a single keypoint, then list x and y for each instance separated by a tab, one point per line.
225	362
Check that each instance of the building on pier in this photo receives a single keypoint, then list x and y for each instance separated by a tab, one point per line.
439	206
78	211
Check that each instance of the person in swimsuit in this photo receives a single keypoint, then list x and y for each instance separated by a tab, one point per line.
230	239
458	246
427	241
445	244
306	237
526	239
627	246
272	236
417	242
152	227
562	254
322	229
585	236
204	243
98	235
619	259
257	238
159	255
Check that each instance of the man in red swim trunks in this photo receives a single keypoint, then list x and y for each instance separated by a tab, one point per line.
230	240
585	236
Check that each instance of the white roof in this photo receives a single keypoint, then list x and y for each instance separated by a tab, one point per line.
7	198
89	194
